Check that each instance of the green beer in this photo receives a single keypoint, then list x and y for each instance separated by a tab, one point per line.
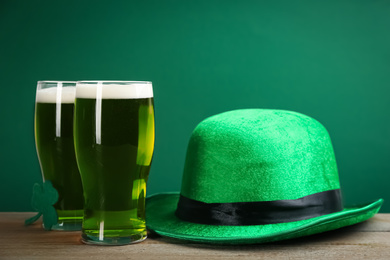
54	142
114	142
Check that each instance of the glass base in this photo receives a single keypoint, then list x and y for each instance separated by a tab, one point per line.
69	220
68	226
113	241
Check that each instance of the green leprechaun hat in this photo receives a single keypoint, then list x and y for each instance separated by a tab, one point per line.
254	176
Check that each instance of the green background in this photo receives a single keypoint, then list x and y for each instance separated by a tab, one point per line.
327	59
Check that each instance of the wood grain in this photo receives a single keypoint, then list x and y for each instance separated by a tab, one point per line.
368	240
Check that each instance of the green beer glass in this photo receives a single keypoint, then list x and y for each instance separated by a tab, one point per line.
114	142
55	148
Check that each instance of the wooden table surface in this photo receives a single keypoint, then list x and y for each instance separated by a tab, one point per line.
367	240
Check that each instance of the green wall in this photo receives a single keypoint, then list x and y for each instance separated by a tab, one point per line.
327	59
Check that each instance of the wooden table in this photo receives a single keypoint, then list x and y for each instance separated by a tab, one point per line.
368	240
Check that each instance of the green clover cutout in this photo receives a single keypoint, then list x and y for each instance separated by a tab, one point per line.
43	199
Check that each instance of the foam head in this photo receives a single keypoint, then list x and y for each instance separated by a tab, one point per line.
56	95
114	90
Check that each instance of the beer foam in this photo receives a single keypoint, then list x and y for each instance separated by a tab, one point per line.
115	91
49	95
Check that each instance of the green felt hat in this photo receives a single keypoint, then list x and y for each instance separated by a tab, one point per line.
254	176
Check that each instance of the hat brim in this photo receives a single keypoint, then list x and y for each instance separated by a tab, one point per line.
161	219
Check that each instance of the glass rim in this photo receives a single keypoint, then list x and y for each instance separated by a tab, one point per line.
113	81
55	81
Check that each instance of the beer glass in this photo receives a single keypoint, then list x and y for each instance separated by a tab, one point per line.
114	142
54	142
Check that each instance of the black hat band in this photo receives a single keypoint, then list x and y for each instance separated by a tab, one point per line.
259	213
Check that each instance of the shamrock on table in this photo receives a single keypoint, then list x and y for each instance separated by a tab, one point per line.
43	199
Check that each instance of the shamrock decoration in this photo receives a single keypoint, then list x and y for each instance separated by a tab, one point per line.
43	199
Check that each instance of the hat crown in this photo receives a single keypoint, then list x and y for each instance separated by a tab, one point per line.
258	155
